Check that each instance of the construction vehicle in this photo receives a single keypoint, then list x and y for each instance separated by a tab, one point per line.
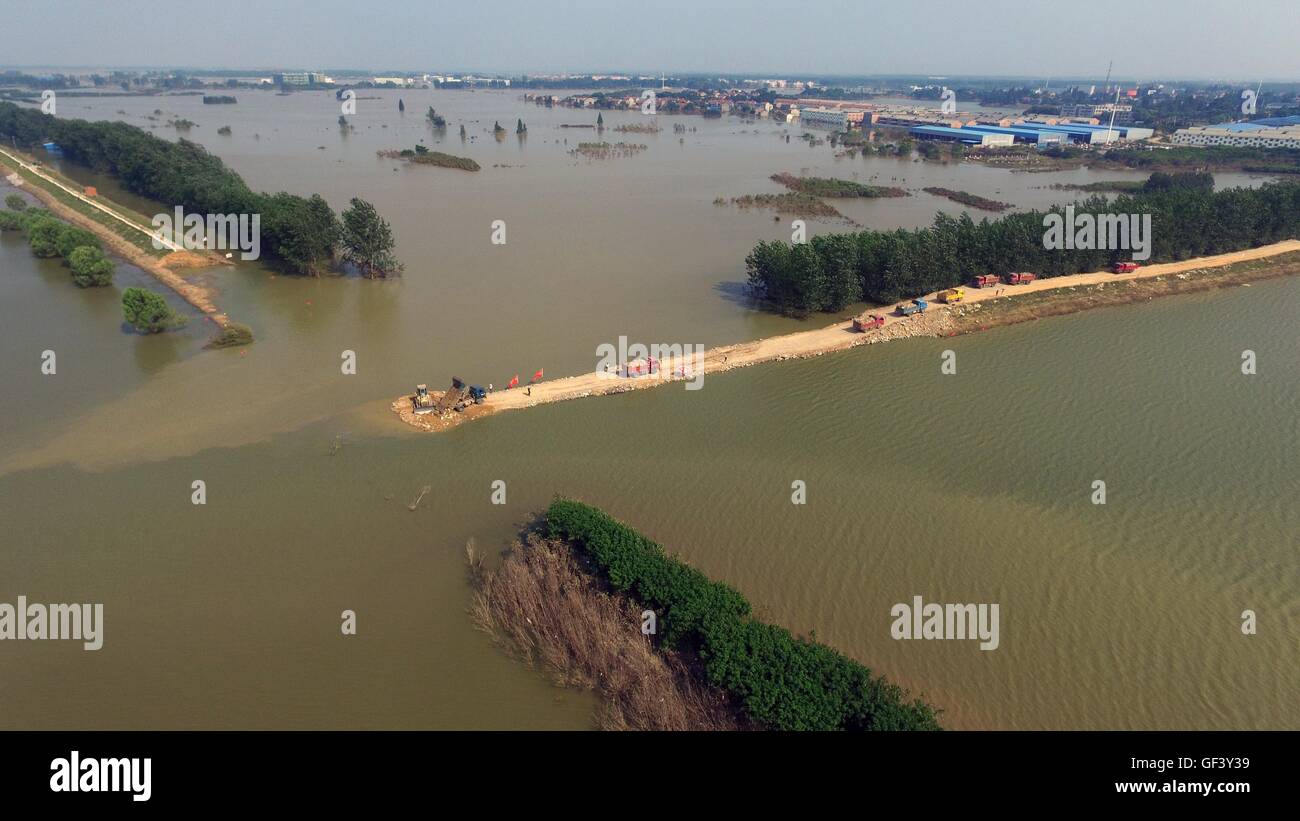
422	402
916	306
453	399
861	324
1125	267
952	295
985	281
475	395
1021	279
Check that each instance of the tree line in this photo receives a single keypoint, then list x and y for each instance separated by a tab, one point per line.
1188	219
303	232
50	237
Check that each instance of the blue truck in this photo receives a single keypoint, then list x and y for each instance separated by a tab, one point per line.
916	306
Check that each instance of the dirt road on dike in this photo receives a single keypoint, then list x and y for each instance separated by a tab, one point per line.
159	267
802	344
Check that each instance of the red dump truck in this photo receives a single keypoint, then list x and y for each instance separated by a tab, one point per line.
1125	267
985	281
1021	278
862	324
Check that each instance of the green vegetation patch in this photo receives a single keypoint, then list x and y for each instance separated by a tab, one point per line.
148	312
830	187
968	199
232	335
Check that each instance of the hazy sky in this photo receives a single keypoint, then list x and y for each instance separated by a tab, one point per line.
1148	39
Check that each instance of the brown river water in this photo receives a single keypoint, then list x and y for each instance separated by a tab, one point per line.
971	487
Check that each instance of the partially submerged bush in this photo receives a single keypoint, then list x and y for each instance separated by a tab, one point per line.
90	268
232	335
43	235
148	312
71	238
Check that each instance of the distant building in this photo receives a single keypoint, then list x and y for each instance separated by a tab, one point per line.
1275	132
1123	113
967	136
303	79
824	118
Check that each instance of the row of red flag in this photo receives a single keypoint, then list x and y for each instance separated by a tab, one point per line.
514	383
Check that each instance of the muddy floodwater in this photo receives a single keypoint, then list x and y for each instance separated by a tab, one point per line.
975	487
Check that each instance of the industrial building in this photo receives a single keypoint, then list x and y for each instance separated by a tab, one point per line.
1273	132
1123	113
1079	132
303	78
1039	133
1022	134
1125	132
967	136
824	118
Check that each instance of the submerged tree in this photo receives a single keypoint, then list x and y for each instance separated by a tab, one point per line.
436	120
520	128
90	268
401	106
148	312
368	240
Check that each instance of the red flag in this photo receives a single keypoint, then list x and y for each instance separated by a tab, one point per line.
513	382
537	375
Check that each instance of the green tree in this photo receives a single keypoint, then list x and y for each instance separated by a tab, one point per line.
368	240
148	312
304	232
15	202
43	236
9	221
90	268
71	238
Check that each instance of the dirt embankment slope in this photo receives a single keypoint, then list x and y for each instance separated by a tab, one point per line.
160	267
